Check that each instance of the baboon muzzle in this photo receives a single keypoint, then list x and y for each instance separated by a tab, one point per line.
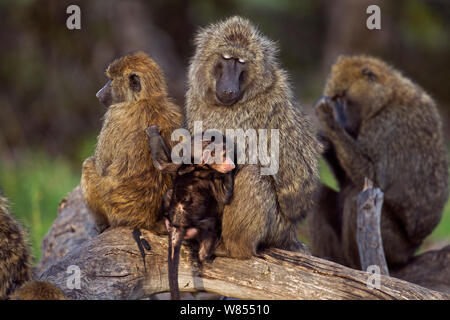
228	84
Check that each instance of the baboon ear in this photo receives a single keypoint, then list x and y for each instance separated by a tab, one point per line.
369	74
135	82
160	152
222	187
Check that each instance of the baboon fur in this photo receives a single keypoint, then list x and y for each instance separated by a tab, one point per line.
265	209
119	183
37	290
391	133
15	256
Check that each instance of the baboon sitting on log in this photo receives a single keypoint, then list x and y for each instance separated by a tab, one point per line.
120	184
378	124
235	82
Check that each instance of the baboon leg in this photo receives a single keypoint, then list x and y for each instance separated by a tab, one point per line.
324	226
90	182
349	225
398	249
245	220
207	245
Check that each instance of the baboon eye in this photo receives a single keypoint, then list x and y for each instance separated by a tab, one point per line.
241	60
226	56
369	74
135	83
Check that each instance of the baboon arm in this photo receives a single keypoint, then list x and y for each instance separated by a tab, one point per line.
356	164
295	180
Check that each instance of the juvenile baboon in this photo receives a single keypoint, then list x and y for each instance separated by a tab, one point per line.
119	182
15	256
235	82
193	207
15	263
380	125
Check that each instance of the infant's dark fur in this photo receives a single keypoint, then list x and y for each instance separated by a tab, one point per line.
193	207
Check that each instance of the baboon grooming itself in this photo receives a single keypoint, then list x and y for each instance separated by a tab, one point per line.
119	183
15	263
380	125
193	207
235	82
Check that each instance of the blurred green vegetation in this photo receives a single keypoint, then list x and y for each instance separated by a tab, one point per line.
37	183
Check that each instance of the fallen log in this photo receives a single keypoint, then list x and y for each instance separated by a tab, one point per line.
112	268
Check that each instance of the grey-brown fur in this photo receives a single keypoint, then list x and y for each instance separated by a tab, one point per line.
264	209
15	256
390	132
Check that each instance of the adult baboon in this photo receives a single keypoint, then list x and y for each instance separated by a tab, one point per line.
119	182
235	82
380	125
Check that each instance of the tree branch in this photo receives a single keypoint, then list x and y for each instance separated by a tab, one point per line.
112	268
368	233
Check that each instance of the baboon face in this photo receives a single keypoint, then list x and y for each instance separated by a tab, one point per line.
120	89
359	92
131	78
229	74
234	65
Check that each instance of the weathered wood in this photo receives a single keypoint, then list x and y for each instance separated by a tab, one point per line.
368	234
112	268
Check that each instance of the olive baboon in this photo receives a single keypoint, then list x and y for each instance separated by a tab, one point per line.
235	82
119	182
380	125
193	207
15	263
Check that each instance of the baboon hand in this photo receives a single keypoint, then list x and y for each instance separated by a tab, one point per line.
89	162
152	130
327	114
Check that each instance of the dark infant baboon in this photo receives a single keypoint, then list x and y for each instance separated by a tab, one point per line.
193	207
15	263
380	125
119	182
235	82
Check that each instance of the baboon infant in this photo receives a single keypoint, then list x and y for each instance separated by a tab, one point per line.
120	185
235	82
378	124
193	207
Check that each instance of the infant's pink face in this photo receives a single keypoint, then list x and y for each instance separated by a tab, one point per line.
190	232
